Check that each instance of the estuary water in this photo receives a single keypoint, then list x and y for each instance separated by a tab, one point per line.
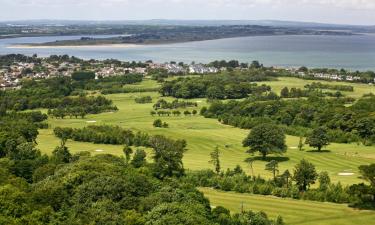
350	52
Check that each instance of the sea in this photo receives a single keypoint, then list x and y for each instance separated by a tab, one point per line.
356	52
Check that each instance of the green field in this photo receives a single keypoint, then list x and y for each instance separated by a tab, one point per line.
202	135
291	82
294	212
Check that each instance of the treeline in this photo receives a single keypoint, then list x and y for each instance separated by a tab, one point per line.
78	106
8	60
16	128
318	85
124	90
304	93
298	117
287	184
104	134
175	104
235	64
109	83
232	85
143	100
174	113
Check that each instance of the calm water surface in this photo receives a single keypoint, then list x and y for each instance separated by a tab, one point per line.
351	52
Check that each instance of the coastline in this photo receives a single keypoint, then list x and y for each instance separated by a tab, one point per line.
20	46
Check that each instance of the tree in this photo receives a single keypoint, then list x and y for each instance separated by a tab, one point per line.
255	65
286	175
368	173
324	180
83	75
187	113
284	92
139	158
300	144
61	154
158	123
127	151
304	174
251	161
168	156
153	113
63	133
266	139
273	167
215	159
194	112
318	138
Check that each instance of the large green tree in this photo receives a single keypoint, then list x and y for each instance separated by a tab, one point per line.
304	174
318	138
168	155
266	139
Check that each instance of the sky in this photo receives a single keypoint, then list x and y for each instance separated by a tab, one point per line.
360	12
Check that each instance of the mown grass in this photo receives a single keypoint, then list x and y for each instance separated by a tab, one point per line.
292	82
202	135
294	212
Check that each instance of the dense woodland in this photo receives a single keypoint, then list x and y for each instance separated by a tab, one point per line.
232	85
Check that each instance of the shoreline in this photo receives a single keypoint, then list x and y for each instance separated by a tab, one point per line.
20	46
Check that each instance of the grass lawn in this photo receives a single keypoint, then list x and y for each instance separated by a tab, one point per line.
202	135
294	212
292	82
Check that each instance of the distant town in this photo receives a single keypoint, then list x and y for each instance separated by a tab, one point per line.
13	71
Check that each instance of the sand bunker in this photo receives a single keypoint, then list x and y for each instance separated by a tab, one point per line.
346	174
99	150
91	121
293	147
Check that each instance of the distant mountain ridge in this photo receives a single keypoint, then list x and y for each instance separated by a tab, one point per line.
189	23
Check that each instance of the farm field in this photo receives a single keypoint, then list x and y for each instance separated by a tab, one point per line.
203	135
294	212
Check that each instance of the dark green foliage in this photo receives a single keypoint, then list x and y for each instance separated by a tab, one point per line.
143	100
318	85
83	75
230	86
215	159
299	117
61	154
105	134
163	104
167	156
266	139
139	158
158	123
304	174
318	138
273	166
127	152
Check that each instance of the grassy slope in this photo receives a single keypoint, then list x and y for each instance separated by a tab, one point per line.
294	212
204	134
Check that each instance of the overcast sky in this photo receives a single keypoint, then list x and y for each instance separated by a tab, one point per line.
328	11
